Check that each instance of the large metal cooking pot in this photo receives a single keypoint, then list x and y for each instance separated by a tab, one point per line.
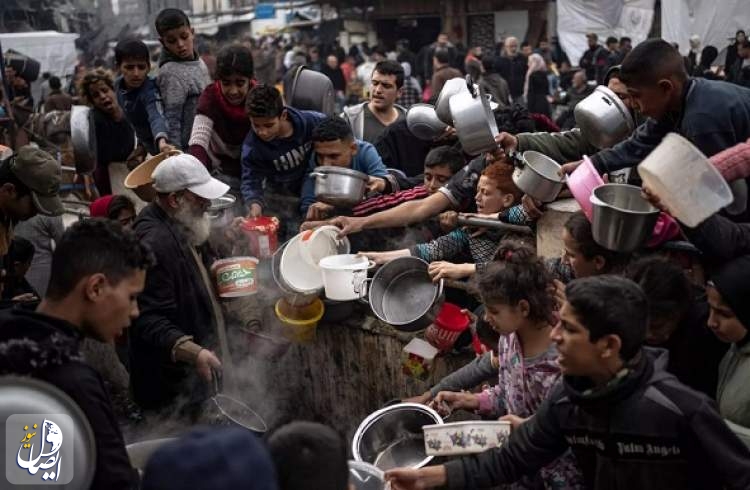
603	118
221	211
392	436
442	104
622	220
403	295
538	176
312	91
423	122
338	186
474	121
83	138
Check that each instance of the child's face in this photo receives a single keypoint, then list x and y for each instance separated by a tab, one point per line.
103	97
582	267
267	128
436	177
577	355
179	42
337	153
652	100
489	199
722	321
234	88
504	319
134	72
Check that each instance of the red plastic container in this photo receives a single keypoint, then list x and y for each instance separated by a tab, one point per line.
261	235
449	324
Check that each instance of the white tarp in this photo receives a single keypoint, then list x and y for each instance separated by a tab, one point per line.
714	21
631	18
55	51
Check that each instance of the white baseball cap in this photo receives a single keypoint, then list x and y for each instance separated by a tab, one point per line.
185	172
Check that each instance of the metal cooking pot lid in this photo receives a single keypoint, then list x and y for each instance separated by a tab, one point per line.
223	202
58	429
342	171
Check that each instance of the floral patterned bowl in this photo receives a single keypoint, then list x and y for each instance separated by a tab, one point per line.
473	436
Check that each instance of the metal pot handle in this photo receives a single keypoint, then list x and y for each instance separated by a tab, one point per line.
216	381
441	286
318	174
363	298
470	85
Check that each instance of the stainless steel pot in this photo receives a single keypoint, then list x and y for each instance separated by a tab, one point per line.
423	122
538	176
474	121
403	295
392	436
311	90
83	138
622	220
338	186
221	211
442	104
603	118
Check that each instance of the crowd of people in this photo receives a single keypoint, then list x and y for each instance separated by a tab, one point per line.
611	367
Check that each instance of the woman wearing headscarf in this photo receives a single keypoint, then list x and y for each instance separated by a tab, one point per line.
536	86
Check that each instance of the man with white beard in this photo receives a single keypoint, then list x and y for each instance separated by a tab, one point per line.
171	357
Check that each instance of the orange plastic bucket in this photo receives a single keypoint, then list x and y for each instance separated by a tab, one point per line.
261	233
236	276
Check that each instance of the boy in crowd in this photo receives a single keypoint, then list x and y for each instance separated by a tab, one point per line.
309	456
182	74
276	151
56	100
622	414
98	270
139	96
334	145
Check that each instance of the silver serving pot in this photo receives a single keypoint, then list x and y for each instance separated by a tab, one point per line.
392	436
403	295
340	187
221	211
603	118
83	138
423	122
474	121
442	104
538	176
622	220
311	90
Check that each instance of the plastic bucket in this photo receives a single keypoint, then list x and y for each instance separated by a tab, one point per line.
344	276
261	233
685	180
448	326
299	322
582	183
236	276
320	243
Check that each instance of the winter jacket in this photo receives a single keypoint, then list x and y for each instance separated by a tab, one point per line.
355	116
174	303
594	61
564	147
733	394
642	430
513	70
733	163
720	239
49	349
401	150
366	160
144	110
495	85
281	162
442	75
181	83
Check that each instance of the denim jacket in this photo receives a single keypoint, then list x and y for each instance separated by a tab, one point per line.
144	110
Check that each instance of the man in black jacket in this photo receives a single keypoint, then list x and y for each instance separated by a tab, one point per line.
170	359
627	420
595	59
98	270
512	66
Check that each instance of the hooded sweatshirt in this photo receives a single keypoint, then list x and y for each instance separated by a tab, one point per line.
644	430
47	348
181	83
733	393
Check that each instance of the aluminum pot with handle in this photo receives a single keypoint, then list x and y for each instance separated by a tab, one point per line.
83	138
221	211
603	118
403	295
538	176
622	219
474	121
340	187
442	104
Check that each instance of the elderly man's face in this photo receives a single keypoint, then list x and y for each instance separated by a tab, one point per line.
332	62
511	46
579	79
190	212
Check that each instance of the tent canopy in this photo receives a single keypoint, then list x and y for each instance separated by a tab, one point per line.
55	51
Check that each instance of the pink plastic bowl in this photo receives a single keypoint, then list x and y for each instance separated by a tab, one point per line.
582	183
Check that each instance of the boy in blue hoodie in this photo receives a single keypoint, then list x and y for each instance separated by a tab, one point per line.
277	148
139	96
182	74
334	145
